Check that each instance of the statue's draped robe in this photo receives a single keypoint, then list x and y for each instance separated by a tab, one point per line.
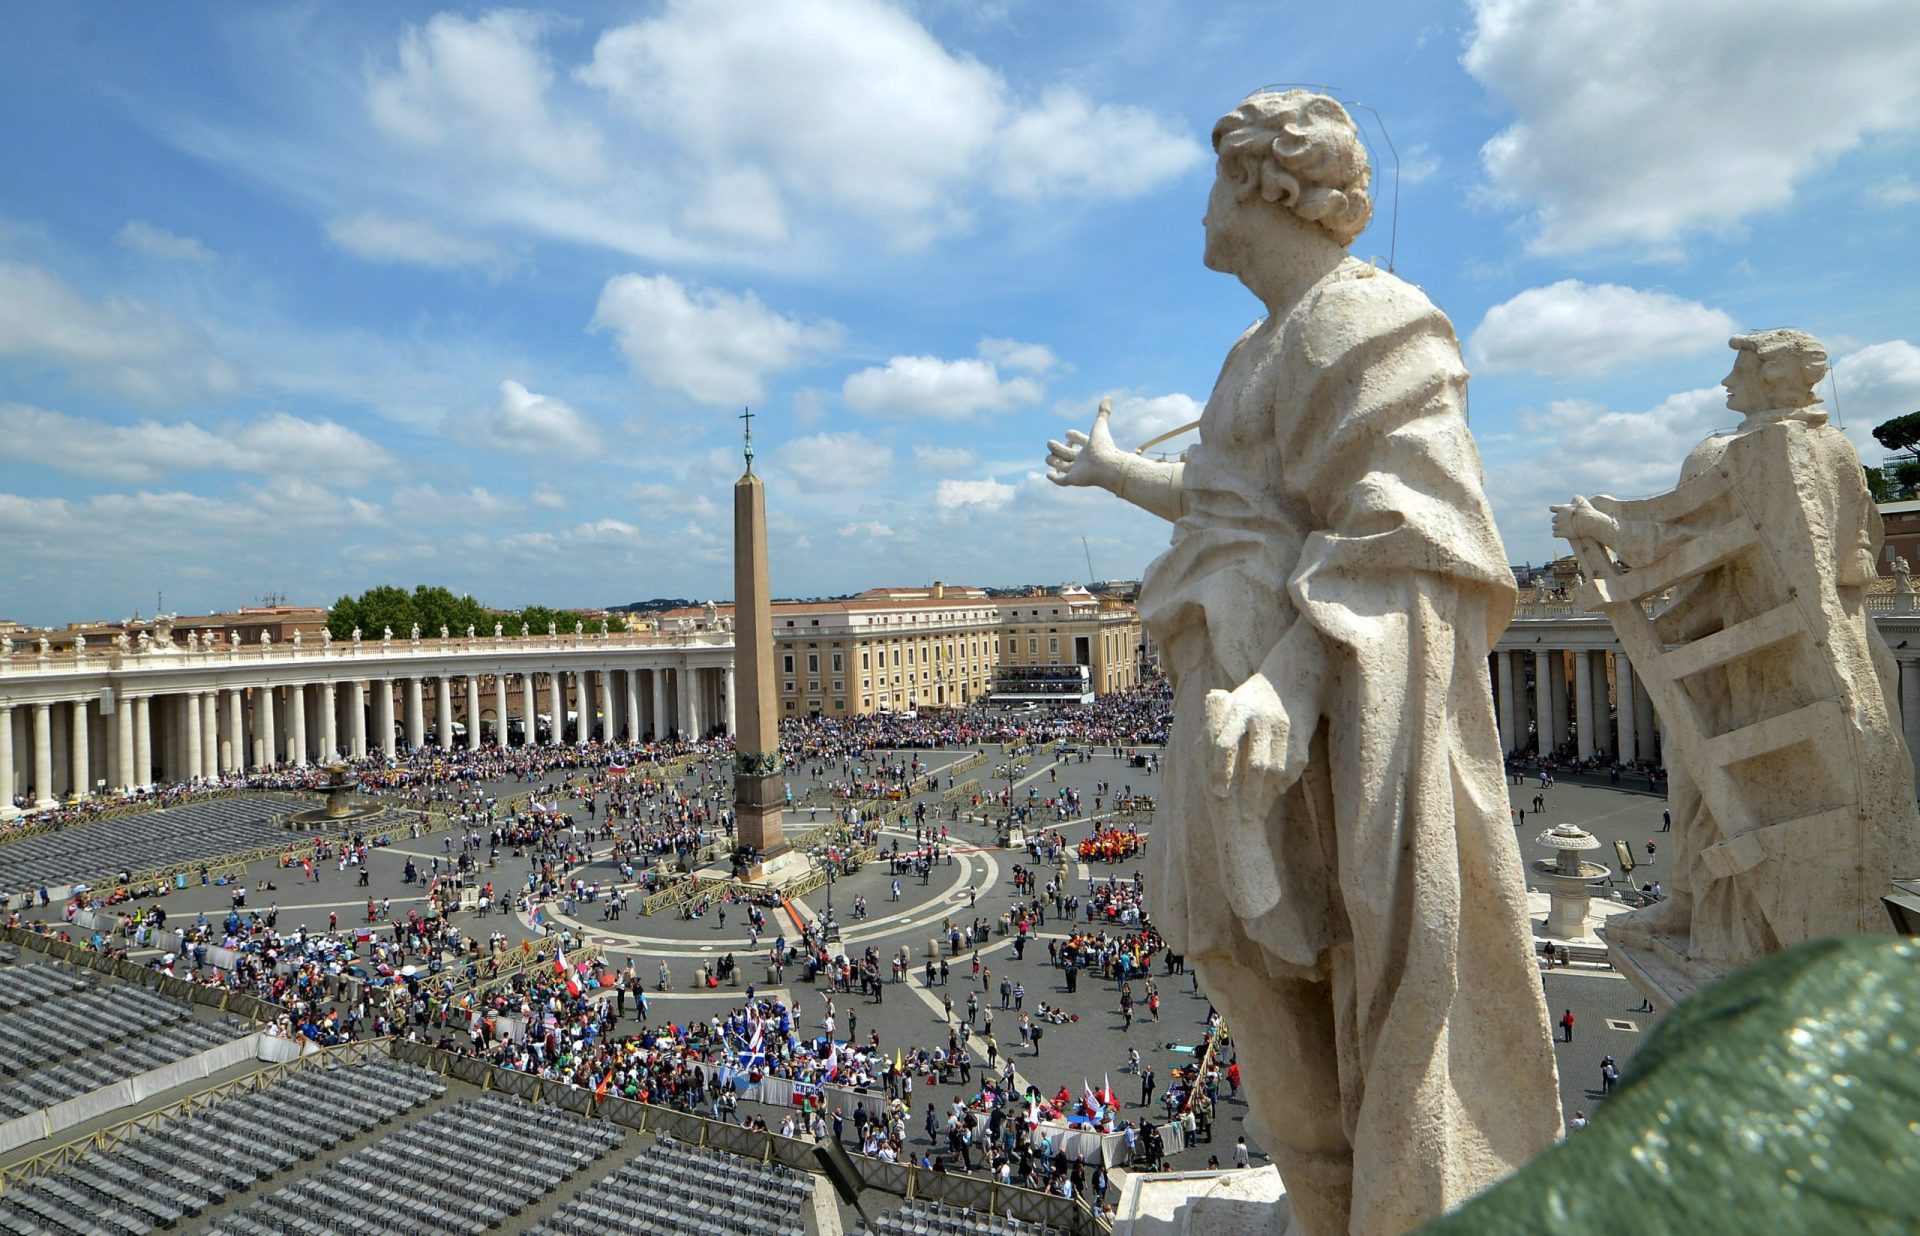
1365	930
1800	479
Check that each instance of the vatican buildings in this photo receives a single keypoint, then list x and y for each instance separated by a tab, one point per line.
161	703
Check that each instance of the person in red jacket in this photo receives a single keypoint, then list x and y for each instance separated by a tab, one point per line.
1566	1026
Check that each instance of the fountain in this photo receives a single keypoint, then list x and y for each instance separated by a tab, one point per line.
340	807
1569	880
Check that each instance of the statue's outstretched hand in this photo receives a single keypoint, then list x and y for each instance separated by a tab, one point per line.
1581	520
1250	737
1086	458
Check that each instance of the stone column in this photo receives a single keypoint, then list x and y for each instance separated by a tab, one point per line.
659	717
610	705
473	712
297	725
1542	702
1502	699
1910	705
210	736
7	788
357	719
383	718
1557	693
143	742
557	702
196	756
416	715
584	734
43	757
7	773
529	707
683	698
632	710
1645	722
443	714
1583	702
269	730
233	749
329	721
82	756
500	711
731	713
1623	697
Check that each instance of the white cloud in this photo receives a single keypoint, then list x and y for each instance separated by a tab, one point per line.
714	347
854	105
1070	145
549	499
119	344
381	238
1877	383
1140	418
834	461
944	458
868	530
927	386
1894	192
144	237
1013	354
1572	329
525	421
1419	163
483	85
986	495
1638	122
271	444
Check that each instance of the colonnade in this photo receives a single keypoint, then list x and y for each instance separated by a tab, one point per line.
124	735
1580	702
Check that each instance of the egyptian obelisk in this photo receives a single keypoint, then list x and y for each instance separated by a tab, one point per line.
757	794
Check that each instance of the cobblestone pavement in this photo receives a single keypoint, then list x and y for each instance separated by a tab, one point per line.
1091	1049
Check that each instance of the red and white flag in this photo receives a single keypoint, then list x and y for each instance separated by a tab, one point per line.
565	971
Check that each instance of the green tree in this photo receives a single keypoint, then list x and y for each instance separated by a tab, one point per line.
1902	433
343	617
386	606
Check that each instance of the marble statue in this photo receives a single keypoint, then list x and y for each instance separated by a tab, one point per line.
163	630
1340	864
79	645
1792	791
416	633
386	635
524	633
6	645
296	637
356	635
444	633
146	643
46	645
120	642
266	640
326	637
552	630
603	628
193	641
496	630
579	628
1902	575
469	632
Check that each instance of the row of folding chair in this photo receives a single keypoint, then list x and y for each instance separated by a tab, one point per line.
30	984
70	1078
162	838
73	1024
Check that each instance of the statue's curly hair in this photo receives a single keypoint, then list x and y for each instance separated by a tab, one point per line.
1299	149
1792	362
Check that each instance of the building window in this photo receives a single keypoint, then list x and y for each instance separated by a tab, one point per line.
789	702
816	621
1033	646
787	663
839	705
1053	644
839	685
866	659
813	663
896	659
836	663
814	685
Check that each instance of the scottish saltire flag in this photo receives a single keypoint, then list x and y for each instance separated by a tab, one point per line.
754	1057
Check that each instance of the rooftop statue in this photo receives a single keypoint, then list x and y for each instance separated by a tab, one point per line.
1791	786
1341	867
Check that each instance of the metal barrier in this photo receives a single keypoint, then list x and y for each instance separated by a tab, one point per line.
220	998
103	1140
902	1179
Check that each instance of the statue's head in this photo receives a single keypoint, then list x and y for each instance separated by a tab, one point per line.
1299	150
1775	369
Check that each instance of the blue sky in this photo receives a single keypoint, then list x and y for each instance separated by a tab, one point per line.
303	299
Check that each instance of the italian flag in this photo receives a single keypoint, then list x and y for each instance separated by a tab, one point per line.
565	971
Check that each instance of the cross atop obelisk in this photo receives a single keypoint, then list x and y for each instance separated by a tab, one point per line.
759	798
